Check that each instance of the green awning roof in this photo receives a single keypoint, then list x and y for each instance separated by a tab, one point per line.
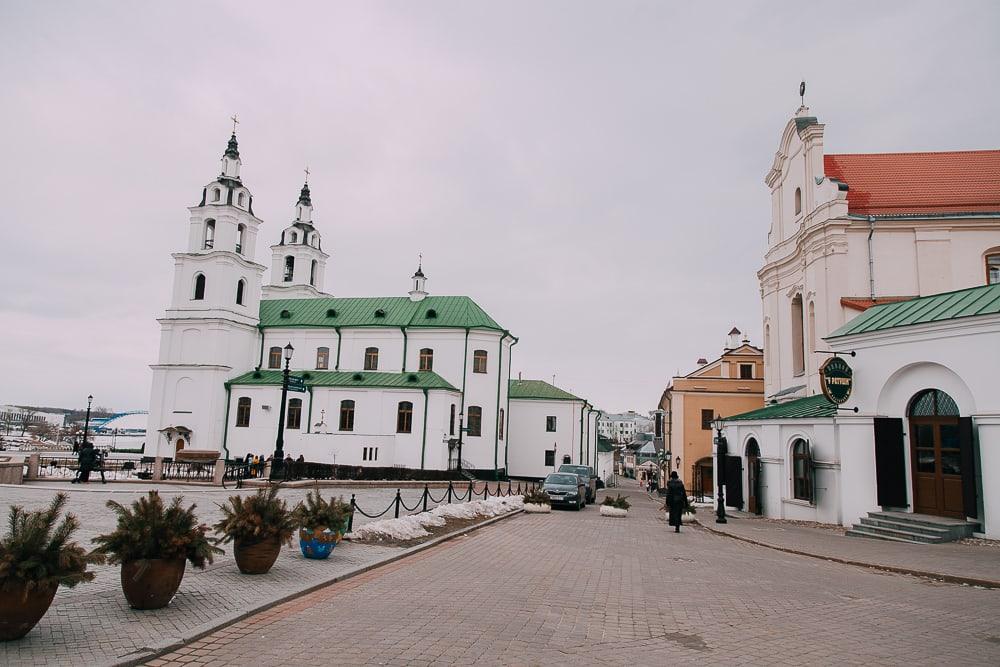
539	390
984	300
604	445
417	380
803	408
387	311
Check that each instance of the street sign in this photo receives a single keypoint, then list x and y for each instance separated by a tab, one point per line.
836	379
296	384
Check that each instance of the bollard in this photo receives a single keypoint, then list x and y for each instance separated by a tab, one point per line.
399	500
219	474
33	463
471	488
350	518
158	469
508	488
449	493
426	492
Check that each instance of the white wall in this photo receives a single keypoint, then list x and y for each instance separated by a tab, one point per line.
529	440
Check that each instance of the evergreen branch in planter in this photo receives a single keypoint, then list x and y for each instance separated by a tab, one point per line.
255	518
537	497
151	530
39	553
316	512
619	501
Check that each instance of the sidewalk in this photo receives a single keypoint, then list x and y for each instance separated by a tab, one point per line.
977	565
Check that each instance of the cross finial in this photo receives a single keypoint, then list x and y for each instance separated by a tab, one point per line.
307	173
802	91
420	261
235	122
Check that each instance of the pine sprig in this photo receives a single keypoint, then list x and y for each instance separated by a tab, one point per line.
152	530
39	553
255	518
317	512
537	497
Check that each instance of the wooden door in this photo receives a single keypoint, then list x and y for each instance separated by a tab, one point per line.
937	466
753	479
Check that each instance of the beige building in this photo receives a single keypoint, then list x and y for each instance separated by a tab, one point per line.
730	385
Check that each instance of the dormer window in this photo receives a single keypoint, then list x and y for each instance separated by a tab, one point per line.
216	194
431	314
379	313
798	201
292	237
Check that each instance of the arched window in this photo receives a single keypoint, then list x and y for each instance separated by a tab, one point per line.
404	417
292	237
209	241
993	269
312	273
474	424
798	348
479	361
371	359
294	413
347	415
216	194
289	269
240	230
802	471
243	411
933	403
798	200
274	357
240	288
199	287
812	326
426	359
451	421
500	425
322	358
239	199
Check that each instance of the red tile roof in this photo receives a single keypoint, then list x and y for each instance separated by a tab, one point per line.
913	183
863	303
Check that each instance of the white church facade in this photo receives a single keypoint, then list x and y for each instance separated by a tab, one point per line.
891	262
387	381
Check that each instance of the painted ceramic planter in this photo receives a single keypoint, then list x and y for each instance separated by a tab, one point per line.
608	510
318	543
532	508
21	608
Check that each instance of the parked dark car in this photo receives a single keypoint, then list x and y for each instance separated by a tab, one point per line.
586	474
565	488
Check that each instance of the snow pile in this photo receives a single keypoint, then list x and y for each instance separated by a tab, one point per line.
608	510
413	527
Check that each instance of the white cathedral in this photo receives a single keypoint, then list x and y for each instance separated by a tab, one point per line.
388	381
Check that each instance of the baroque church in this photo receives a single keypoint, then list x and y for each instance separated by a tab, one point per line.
385	381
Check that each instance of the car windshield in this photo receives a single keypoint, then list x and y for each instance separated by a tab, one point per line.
582	471
562	479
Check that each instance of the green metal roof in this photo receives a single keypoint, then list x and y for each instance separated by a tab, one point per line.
418	380
386	311
539	390
604	445
803	408
983	300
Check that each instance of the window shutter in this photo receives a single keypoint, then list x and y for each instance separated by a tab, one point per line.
811	473
966	445
734	481
890	462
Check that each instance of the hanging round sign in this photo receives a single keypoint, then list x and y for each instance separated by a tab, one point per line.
836	379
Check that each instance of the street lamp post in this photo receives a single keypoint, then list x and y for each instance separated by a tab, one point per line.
86	424
721	450
461	430
279	443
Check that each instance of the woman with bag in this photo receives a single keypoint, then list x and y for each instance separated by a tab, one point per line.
677	500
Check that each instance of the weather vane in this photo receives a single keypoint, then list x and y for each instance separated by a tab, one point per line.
307	173
802	92
420	261
235	122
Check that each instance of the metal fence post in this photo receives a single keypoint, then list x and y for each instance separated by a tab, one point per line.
449	493
399	500
426	493
350	519
470	490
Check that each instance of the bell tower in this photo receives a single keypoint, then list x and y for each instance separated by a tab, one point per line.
208	334
298	263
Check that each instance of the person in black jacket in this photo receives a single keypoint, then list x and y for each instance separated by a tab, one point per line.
87	462
677	500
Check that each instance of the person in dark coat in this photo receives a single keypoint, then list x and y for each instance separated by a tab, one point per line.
87	461
677	500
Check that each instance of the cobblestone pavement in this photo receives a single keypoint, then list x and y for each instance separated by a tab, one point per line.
580	589
93	624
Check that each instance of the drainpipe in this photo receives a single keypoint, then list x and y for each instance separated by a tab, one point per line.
506	448
423	444
403	329
225	424
871	257
336	366
496	431
583	409
309	417
260	360
465	367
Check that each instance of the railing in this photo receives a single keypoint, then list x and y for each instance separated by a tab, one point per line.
188	471
237	471
64	467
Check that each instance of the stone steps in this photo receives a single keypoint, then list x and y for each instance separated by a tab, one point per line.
912	528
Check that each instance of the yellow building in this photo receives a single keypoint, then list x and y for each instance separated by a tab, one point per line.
730	385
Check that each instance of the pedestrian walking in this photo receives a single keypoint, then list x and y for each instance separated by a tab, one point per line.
677	500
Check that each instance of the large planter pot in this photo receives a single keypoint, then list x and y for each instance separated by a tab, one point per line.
151	583
256	557
318	543
21	609
608	510
532	508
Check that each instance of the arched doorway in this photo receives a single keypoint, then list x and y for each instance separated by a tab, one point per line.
754	504
936	445
179	445
702	482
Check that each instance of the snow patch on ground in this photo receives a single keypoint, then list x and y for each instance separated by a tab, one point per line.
414	527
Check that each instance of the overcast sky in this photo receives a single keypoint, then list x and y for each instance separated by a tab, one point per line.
591	173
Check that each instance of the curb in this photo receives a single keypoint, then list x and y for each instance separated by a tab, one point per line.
170	645
950	578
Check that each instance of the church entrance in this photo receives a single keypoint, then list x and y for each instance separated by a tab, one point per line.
754	505
941	450
702	482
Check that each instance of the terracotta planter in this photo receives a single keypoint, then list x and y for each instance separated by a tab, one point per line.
21	609
256	557
318	543
151	583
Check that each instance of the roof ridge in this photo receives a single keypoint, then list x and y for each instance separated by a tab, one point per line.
982	151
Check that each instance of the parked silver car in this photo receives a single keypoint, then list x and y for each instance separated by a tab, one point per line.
565	488
586	474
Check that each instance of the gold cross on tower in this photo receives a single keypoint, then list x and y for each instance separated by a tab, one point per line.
235	122
307	173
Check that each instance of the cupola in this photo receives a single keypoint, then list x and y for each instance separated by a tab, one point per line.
418	293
